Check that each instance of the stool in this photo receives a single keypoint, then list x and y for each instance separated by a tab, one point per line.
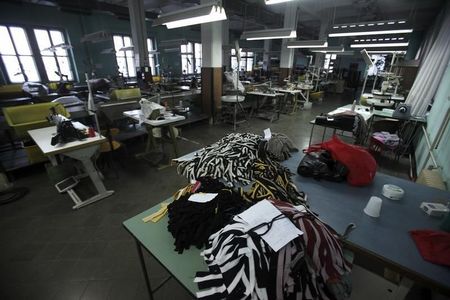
230	108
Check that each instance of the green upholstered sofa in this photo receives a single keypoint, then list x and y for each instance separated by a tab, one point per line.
125	94
27	117
12	91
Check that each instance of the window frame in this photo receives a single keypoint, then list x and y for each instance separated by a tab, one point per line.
246	58
153	58
122	36
36	54
55	56
192	55
17	56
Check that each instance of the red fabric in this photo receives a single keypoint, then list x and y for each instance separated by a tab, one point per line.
360	163
434	246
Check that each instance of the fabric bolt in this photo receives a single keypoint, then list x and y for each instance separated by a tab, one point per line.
242	266
230	159
191	223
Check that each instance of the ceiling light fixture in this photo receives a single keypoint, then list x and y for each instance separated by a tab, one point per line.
377	45
370	28
198	14
269	34
386	51
332	49
270	2
307	44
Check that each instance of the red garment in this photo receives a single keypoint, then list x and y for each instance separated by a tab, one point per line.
360	163
434	246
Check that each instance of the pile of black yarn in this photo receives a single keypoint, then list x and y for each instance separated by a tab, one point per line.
191	223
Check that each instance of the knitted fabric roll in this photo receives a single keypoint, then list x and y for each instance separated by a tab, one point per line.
230	159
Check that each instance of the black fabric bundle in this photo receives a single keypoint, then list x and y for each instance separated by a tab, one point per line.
230	159
242	266
320	165
191	223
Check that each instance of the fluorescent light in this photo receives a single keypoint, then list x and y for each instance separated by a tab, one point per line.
199	14
376	45
376	32
332	49
270	2
387	51
269	34
307	44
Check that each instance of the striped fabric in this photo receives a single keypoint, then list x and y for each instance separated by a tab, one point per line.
242	266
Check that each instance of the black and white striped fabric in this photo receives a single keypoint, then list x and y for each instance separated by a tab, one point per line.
230	159
242	266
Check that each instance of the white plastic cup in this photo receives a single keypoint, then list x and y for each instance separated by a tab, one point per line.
373	207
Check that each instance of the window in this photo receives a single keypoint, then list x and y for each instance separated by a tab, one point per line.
124	55
151	56
191	58
246	63
53	50
16	55
328	63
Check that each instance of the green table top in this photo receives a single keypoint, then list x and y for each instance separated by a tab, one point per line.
158	241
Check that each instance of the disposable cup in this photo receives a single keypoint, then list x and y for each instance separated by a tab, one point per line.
373	207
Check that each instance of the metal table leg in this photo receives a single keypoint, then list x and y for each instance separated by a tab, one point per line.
144	270
311	134
173	139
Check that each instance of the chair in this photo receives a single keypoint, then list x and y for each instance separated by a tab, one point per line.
230	105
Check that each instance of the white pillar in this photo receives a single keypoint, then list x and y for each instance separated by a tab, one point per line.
211	66
290	21
266	55
211	43
139	32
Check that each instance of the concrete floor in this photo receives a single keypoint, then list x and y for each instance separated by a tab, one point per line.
49	251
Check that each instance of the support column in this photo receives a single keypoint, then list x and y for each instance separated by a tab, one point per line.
320	57
287	55
139	36
211	66
266	55
226	53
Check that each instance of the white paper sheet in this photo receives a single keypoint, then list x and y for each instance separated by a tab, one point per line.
202	197
267	134
282	230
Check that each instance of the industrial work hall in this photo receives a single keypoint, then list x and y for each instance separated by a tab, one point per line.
225	149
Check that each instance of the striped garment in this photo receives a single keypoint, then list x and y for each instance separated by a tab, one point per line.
242	266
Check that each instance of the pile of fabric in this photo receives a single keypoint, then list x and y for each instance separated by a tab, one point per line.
191	223
230	159
235	173
278	147
273	181
242	266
